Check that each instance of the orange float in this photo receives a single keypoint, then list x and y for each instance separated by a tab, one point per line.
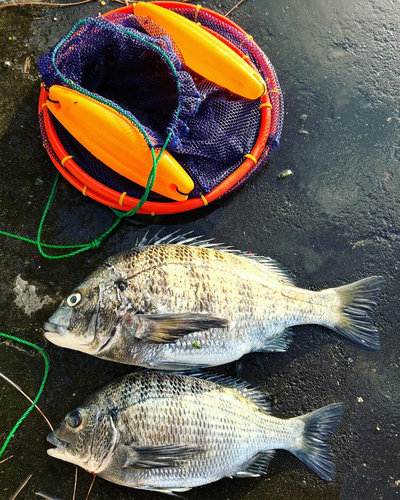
113	139
204	53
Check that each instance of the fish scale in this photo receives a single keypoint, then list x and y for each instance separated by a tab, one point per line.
178	306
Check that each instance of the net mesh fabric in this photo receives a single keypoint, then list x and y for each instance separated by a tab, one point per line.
132	64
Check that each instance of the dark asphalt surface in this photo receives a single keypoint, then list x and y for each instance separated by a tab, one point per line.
335	220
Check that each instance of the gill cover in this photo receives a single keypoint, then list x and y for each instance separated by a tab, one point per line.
86	437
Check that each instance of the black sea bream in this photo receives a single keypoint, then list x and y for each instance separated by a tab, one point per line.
184	305
170	432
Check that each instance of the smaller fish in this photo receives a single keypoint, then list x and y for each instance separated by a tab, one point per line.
169	432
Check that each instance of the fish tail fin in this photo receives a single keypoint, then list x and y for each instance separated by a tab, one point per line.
357	300
314	450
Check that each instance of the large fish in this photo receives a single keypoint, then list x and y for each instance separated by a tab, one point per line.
169	432
178	306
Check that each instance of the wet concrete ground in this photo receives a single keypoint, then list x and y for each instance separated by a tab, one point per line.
335	220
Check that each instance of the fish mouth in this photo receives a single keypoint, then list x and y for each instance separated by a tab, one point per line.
60	445
64	337
52	328
58	335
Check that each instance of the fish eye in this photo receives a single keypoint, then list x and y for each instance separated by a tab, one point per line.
75	419
74	299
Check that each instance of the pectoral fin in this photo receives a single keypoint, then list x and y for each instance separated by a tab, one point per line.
155	457
166	328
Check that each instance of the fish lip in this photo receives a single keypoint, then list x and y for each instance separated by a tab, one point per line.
60	335
59	444
51	328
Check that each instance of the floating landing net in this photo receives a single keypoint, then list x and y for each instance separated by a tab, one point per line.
131	64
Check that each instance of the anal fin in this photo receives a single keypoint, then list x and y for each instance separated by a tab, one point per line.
167	491
178	366
256	466
280	343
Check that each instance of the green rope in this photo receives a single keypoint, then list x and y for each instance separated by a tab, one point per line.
96	242
150	182
46	372
78	248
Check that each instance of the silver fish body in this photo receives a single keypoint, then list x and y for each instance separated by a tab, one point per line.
170	432
178	306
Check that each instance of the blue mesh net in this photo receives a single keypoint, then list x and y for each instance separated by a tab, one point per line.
134	65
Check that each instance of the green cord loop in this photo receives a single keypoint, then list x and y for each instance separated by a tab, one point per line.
46	372
96	242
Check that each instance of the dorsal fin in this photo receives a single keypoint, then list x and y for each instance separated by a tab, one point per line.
246	389
272	266
156	240
181	239
174	238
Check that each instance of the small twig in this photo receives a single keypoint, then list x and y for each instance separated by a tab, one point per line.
90	488
44	495
27	65
5	460
234	7
21	487
76	482
16	386
49	4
